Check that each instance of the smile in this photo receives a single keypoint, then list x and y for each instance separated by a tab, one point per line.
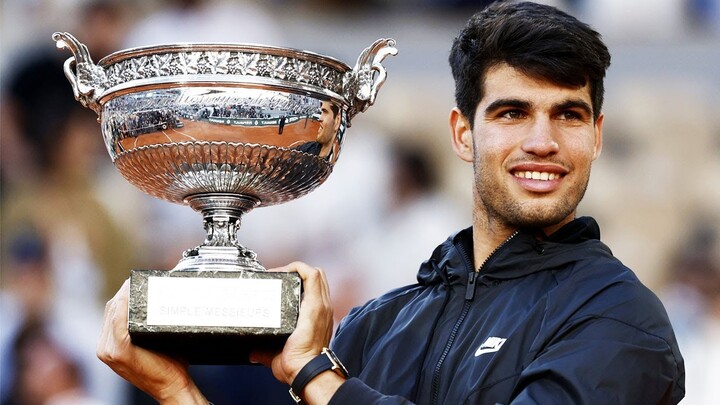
545	176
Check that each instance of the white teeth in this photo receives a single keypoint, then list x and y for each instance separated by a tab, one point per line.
537	175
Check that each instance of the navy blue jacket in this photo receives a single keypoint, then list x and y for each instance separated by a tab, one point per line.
557	320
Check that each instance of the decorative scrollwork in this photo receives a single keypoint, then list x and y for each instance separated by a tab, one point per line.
181	63
360	86
87	79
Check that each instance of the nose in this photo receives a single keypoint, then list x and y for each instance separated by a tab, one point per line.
540	140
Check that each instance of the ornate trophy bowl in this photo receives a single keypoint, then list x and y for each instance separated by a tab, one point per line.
223	128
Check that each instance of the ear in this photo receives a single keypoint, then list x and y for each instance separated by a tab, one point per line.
336	123
462	137
598	136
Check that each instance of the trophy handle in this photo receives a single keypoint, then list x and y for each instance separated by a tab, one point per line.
87	79
361	84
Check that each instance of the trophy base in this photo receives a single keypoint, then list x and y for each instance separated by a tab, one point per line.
212	317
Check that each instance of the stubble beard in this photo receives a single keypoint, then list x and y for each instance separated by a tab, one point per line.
501	209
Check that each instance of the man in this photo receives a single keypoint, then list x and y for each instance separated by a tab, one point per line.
527	305
329	125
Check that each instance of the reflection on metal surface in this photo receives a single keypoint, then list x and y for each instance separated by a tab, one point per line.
224	127
272	145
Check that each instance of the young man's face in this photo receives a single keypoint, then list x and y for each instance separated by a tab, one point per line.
532	146
329	123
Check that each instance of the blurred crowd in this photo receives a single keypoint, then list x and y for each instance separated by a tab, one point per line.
72	228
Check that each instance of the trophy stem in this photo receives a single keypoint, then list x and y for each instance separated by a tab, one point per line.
221	219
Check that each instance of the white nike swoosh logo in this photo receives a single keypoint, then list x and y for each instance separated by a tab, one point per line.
491	345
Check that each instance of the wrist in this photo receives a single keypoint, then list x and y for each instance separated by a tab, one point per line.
325	371
322	388
297	366
189	394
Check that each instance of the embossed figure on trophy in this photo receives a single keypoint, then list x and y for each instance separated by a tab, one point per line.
221	128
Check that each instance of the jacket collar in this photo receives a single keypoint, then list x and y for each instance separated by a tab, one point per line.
525	253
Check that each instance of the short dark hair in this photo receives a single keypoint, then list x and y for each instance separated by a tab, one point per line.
539	40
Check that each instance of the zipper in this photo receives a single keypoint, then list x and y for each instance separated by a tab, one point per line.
470	289
500	246
472	276
469	296
448	346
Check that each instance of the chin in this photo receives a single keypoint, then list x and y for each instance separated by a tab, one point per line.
540	215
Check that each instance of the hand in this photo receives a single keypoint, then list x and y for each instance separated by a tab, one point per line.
160	376
313	330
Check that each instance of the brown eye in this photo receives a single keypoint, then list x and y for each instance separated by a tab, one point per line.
513	114
573	116
570	115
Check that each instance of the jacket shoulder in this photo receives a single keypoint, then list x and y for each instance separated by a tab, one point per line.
364	325
378	310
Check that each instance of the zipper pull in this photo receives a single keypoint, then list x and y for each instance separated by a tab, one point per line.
470	290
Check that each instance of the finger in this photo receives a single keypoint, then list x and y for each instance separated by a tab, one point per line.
121	307
314	281
316	305
313	277
291	267
108	319
114	324
262	357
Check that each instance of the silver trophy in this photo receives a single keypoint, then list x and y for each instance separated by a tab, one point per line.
223	128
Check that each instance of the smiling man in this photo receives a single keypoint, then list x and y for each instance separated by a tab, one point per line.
531	143
525	306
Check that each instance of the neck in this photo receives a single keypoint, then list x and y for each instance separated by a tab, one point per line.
325	149
487	236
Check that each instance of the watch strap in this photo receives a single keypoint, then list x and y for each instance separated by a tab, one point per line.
325	361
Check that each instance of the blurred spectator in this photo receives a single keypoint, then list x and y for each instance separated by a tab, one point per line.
51	153
54	152
692	298
417	218
39	363
24	297
45	374
89	255
37	98
703	15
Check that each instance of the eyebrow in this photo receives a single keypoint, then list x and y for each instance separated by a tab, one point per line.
507	102
574	103
526	105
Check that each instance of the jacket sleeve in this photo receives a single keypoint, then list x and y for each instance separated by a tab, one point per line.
348	345
354	391
603	360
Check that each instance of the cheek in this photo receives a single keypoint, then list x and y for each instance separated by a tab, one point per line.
494	155
588	154
581	149
489	161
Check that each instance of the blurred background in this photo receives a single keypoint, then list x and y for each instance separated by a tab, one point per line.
72	228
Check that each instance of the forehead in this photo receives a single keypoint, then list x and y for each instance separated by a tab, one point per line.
505	81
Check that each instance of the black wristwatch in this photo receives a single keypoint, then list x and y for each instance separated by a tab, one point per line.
325	361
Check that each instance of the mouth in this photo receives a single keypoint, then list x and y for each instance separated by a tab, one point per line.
539	178
536	175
